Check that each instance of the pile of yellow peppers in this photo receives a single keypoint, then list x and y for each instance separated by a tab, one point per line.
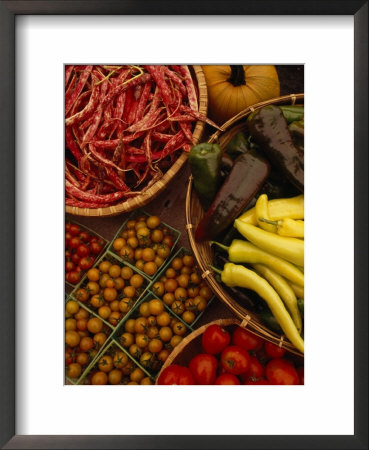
274	248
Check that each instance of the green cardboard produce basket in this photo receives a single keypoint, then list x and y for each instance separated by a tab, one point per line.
137	213
110	349
153	367
107	329
114	260
180	253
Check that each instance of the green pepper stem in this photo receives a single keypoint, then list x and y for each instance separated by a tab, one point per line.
218	271
223	247
271	222
237	77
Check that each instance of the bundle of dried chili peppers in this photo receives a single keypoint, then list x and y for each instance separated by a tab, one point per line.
124	126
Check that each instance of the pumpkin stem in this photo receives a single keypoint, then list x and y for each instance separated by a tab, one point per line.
237	77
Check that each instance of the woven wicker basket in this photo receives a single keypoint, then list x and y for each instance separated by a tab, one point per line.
191	346
194	213
144	198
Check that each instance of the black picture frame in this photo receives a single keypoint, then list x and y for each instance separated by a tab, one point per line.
8	11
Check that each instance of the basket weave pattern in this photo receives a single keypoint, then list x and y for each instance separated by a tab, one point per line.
194	213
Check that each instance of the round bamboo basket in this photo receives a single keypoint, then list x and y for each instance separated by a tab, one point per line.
194	213
191	346
154	190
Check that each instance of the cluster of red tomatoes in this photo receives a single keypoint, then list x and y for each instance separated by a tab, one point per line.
81	251
236	358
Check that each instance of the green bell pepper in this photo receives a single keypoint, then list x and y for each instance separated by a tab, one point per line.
205	160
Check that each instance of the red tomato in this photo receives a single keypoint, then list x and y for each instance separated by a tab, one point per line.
84	236
74	242
96	247
274	351
83	250
235	360
67	277
75	258
68	254
227	378
74	229
300	373
69	265
280	371
176	374
215	339
73	277
259	381
69	356
256	370
86	263
246	340
204	368
67	226
68	236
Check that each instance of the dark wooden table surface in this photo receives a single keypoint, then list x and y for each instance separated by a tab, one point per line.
170	204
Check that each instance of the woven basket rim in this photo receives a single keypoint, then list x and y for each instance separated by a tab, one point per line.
241	312
142	199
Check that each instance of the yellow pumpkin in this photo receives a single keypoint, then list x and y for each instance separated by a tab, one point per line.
231	89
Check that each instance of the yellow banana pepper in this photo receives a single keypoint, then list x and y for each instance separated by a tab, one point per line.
298	290
291	249
244	252
278	208
237	275
284	290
